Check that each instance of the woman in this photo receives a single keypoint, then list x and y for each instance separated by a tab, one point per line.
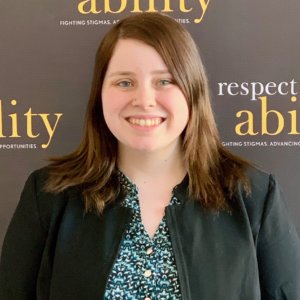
150	206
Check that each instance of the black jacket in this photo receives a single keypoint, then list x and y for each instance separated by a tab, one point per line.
53	250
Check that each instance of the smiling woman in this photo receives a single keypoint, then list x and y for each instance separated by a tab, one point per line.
142	106
150	205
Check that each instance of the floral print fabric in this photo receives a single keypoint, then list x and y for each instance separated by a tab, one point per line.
144	268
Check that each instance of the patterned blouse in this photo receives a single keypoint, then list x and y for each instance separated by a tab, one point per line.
144	268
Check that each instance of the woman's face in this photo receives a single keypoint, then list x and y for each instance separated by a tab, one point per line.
142	106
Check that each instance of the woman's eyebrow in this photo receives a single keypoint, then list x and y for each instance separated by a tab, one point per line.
160	72
129	73
121	73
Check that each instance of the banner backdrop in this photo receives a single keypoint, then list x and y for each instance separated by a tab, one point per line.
47	49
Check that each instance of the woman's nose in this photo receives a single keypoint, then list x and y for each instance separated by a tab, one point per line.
145	97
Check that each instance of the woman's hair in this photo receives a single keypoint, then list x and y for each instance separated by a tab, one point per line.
214	173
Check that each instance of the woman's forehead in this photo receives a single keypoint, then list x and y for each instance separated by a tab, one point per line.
131	55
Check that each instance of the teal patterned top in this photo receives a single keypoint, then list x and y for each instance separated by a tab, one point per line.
144	268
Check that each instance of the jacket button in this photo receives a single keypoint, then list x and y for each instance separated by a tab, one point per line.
147	273
149	251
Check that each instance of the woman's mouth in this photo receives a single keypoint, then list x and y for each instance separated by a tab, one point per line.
145	122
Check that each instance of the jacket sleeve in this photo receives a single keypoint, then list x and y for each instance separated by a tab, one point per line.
278	249
22	248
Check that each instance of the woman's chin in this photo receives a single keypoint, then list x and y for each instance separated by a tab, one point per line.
144	148
140	147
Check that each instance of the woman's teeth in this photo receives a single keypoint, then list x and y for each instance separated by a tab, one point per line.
145	122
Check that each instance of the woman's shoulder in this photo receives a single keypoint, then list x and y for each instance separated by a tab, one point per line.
265	200
260	182
35	187
38	180
262	186
48	205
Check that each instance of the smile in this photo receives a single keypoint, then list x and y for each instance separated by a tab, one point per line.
145	122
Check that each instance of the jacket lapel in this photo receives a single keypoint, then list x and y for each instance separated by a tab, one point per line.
82	259
214	252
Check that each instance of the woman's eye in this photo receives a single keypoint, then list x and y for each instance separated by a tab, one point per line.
165	81
124	83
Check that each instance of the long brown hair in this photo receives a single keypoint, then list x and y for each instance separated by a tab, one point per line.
214	173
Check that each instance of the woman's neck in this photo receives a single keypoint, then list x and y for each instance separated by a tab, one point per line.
152	168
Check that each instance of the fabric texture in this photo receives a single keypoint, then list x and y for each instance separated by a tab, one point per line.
53	250
145	267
